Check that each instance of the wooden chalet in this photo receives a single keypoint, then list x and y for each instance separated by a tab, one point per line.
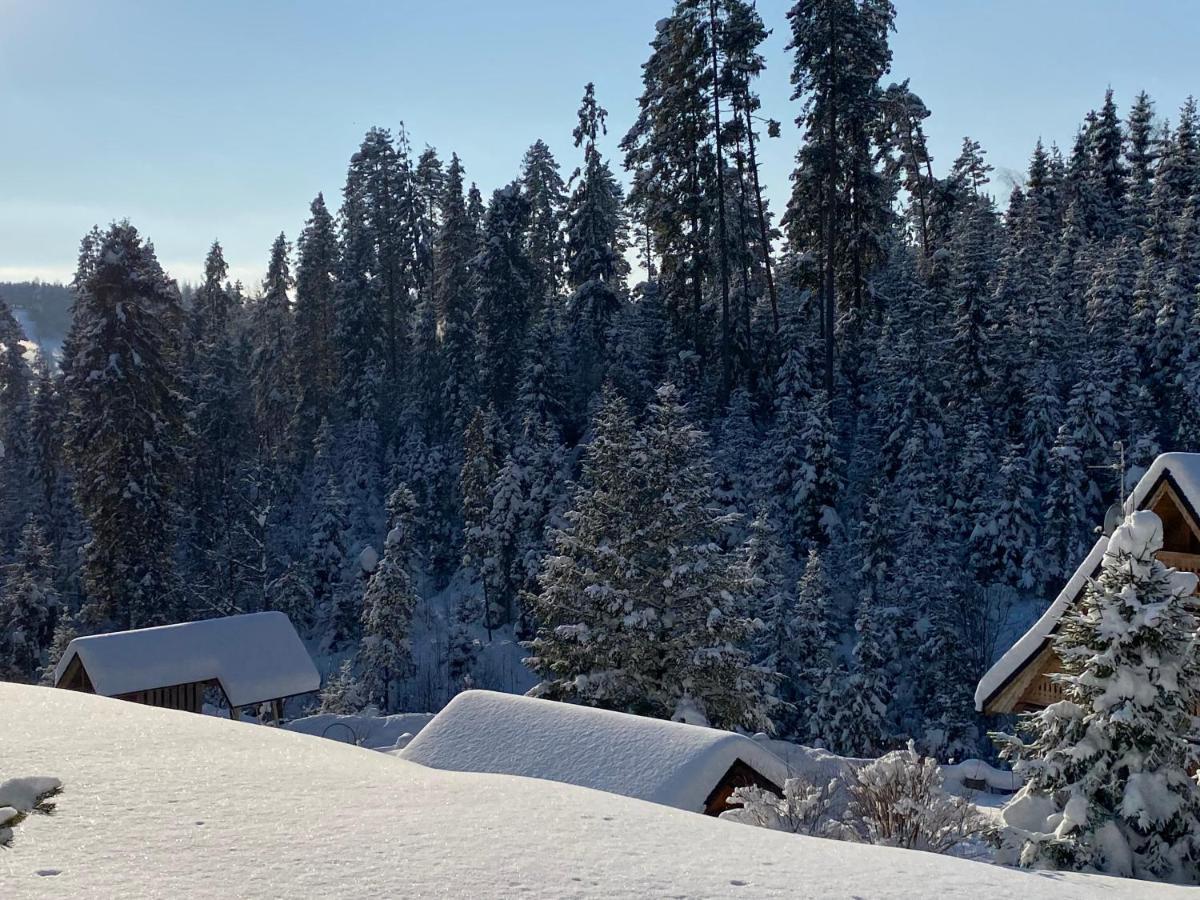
248	660
1020	680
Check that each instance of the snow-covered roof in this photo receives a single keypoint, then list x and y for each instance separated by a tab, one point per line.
256	657
1184	470
663	762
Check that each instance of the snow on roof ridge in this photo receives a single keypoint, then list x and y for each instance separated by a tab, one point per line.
1184	470
671	763
255	656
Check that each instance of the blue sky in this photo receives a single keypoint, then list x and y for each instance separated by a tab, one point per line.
223	118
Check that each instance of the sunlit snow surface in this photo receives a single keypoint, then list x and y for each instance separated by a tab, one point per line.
158	803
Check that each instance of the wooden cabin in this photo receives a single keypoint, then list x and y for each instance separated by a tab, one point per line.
685	766
1020	680
247	660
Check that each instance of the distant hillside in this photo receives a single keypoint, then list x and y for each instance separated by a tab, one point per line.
43	309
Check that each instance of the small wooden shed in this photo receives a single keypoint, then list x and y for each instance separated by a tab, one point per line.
252	659
684	766
1020	680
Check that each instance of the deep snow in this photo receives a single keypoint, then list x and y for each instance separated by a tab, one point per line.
158	803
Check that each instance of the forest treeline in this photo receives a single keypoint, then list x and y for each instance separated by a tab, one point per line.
802	475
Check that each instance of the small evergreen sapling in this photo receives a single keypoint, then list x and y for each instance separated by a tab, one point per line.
1106	769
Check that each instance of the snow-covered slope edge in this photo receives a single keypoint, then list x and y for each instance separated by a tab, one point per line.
167	804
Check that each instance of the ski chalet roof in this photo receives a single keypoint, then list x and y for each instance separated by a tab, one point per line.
669	763
1182	472
255	657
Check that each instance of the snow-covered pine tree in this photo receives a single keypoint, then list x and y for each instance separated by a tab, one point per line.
763	571
638	605
64	632
1106	769
596	239
327	561
342	693
810	656
28	604
18	496
291	593
125	426
453	251
851	707
1013	530
804	471
312	348
1066	536
385	653
545	238
503	284
272	366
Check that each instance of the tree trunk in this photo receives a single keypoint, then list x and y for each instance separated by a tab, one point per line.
723	253
831	219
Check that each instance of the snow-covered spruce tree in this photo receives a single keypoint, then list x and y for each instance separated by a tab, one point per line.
28	602
638	605
327	562
810	656
272	365
64	632
342	694
545	242
1106	769
850	707
385	654
1066	533
312	347
1013	529
503	284
596	239
736	461
125	426
763	570
802	466
484	449
453	251
291	593
18	497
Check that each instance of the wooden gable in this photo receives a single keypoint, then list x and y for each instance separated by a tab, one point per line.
740	774
1031	687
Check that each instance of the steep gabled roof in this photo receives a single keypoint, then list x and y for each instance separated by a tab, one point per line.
663	762
1182	472
256	657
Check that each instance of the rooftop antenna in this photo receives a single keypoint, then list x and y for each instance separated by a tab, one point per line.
1115	514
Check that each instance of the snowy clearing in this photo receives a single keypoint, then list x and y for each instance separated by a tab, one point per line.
159	803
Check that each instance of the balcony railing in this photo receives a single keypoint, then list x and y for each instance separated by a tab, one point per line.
1185	562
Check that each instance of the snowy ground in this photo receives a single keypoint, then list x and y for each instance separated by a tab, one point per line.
158	803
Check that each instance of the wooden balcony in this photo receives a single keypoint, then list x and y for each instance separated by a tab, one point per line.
1184	562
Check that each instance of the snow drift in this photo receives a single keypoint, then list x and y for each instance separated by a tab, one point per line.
165	804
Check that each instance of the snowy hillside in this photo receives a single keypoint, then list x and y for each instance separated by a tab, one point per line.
167	804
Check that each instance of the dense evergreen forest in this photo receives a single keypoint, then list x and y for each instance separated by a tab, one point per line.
800	470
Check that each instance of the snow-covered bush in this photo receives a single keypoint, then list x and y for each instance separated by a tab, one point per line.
899	800
1106	769
804	808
